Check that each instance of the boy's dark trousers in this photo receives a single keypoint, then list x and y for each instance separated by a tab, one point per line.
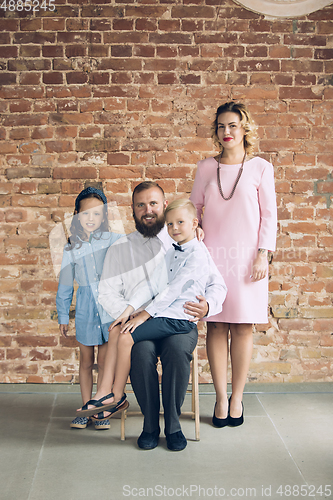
175	353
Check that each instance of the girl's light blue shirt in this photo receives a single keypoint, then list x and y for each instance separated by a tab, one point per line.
85	265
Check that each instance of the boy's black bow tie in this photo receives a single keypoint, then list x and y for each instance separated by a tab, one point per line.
177	247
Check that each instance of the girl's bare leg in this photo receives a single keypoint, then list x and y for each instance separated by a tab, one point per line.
241	347
101	354
217	352
125	343
85	371
105	382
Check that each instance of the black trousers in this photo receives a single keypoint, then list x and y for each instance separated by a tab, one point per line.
175	353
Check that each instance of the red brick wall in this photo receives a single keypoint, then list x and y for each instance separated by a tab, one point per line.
111	93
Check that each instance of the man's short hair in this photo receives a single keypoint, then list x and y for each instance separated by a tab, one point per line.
182	203
146	185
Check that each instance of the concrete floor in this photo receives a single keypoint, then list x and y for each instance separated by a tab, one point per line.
284	449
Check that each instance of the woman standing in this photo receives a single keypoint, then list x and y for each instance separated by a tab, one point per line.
236	191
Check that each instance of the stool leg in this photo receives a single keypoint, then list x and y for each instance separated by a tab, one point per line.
195	393
122	425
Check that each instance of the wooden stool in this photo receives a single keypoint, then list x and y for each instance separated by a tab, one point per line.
194	391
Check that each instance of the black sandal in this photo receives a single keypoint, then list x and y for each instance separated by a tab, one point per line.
117	409
97	403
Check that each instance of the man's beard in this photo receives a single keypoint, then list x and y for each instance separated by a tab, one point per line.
151	230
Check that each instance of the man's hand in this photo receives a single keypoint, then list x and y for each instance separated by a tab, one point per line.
63	330
197	309
121	320
133	323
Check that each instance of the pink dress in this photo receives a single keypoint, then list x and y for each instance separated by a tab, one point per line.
235	229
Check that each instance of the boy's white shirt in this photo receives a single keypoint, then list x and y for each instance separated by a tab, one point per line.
181	277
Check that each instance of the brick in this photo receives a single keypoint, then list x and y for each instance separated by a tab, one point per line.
100	25
118	159
53	78
121	51
323	54
9	51
16	120
300	66
74	173
203	12
58	146
316	312
98	51
149	11
146	25
167	172
170	38
256	51
54	24
42	133
296	324
75	50
305	79
324	27
259	65
122	24
297	39
121	77
76	77
70	118
35	341
30	78
34	37
97	144
170	25
19	134
7	78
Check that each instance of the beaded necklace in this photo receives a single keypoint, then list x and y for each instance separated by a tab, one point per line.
219	180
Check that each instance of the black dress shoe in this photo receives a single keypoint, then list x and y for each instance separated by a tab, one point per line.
176	441
148	440
236	421
219	422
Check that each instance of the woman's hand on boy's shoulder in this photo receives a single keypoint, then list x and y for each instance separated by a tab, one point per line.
200	234
63	330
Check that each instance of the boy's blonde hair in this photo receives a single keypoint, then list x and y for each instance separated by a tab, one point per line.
182	203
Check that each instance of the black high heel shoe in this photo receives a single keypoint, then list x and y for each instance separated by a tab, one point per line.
236	421
220	422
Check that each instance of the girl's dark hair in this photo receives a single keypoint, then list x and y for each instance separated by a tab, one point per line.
246	122
77	233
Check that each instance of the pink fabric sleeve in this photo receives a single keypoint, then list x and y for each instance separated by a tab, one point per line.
268	210
198	195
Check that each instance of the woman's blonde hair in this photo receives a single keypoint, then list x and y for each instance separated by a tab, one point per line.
247	123
182	203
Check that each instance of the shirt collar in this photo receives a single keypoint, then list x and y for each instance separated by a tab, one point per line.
190	244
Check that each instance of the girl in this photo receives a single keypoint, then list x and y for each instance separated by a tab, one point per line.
83	259
236	193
